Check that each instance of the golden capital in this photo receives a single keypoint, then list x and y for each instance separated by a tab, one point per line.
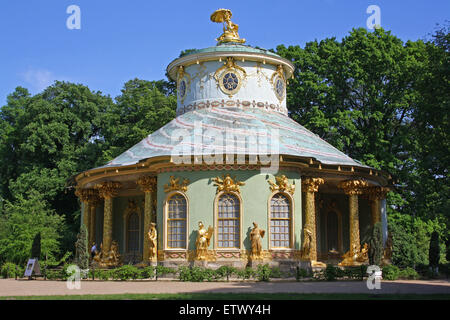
87	195
311	184
376	193
147	183
353	187
108	189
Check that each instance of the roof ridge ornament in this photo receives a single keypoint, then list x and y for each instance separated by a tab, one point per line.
230	29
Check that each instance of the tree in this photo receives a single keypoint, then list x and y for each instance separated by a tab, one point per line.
434	253
36	247
376	245
141	109
81	249
22	220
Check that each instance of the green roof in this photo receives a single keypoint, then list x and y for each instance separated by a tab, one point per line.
233	47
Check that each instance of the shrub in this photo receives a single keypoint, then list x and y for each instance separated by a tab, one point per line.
103	274
8	270
275	272
225	271
126	272
330	273
390	272
246	273
408	273
148	272
81	249
195	274
263	272
161	271
300	273
55	274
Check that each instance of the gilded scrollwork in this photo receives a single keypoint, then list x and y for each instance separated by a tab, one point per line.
282	184
227	184
175	185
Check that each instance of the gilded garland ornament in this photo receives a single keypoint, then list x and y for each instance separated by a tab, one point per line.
227	184
282	184
230	77
175	185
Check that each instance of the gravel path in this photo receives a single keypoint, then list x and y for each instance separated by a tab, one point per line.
11	287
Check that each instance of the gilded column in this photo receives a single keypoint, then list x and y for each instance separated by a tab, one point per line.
353	188
107	190
85	195
375	195
93	202
310	186
148	185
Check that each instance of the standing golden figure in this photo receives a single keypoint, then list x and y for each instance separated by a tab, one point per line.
203	240
255	236
152	235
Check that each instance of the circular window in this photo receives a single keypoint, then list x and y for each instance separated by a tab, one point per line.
230	81
279	88
182	88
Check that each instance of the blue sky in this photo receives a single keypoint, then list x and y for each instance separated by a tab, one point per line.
122	40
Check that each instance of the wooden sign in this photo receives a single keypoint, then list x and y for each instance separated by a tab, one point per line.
32	268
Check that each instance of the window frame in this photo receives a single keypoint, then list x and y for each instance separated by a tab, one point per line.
216	222
291	220
166	221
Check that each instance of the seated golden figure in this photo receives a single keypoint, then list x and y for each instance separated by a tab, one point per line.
230	29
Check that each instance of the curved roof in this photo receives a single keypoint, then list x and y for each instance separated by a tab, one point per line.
233	47
293	139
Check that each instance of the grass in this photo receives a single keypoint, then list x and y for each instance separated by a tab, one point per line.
238	296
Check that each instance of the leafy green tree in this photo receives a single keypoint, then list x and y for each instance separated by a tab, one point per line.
141	109
22	220
376	245
36	247
434	253
81	248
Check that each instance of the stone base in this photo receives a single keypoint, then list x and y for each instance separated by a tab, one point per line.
200	263
255	263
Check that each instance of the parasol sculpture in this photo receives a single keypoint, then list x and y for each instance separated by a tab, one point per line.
230	29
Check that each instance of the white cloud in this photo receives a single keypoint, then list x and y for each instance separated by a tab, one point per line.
39	79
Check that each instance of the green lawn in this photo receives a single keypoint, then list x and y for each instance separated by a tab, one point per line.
239	296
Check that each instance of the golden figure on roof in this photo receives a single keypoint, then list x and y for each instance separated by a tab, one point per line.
230	29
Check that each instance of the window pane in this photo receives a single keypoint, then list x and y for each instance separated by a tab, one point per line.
280	220
228	221
176	229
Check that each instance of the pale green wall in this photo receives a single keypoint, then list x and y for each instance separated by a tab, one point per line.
255	194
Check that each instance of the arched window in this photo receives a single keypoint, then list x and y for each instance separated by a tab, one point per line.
176	221
280	221
228	221
133	232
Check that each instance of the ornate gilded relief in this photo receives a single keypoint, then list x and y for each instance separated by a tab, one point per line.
230	77
175	185
183	83
281	184
227	184
278	82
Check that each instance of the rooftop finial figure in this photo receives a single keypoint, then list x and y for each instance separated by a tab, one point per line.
230	29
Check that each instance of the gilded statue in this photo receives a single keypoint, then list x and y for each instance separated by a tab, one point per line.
255	237
227	184
281	184
152	235
203	240
354	257
306	248
108	259
230	29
